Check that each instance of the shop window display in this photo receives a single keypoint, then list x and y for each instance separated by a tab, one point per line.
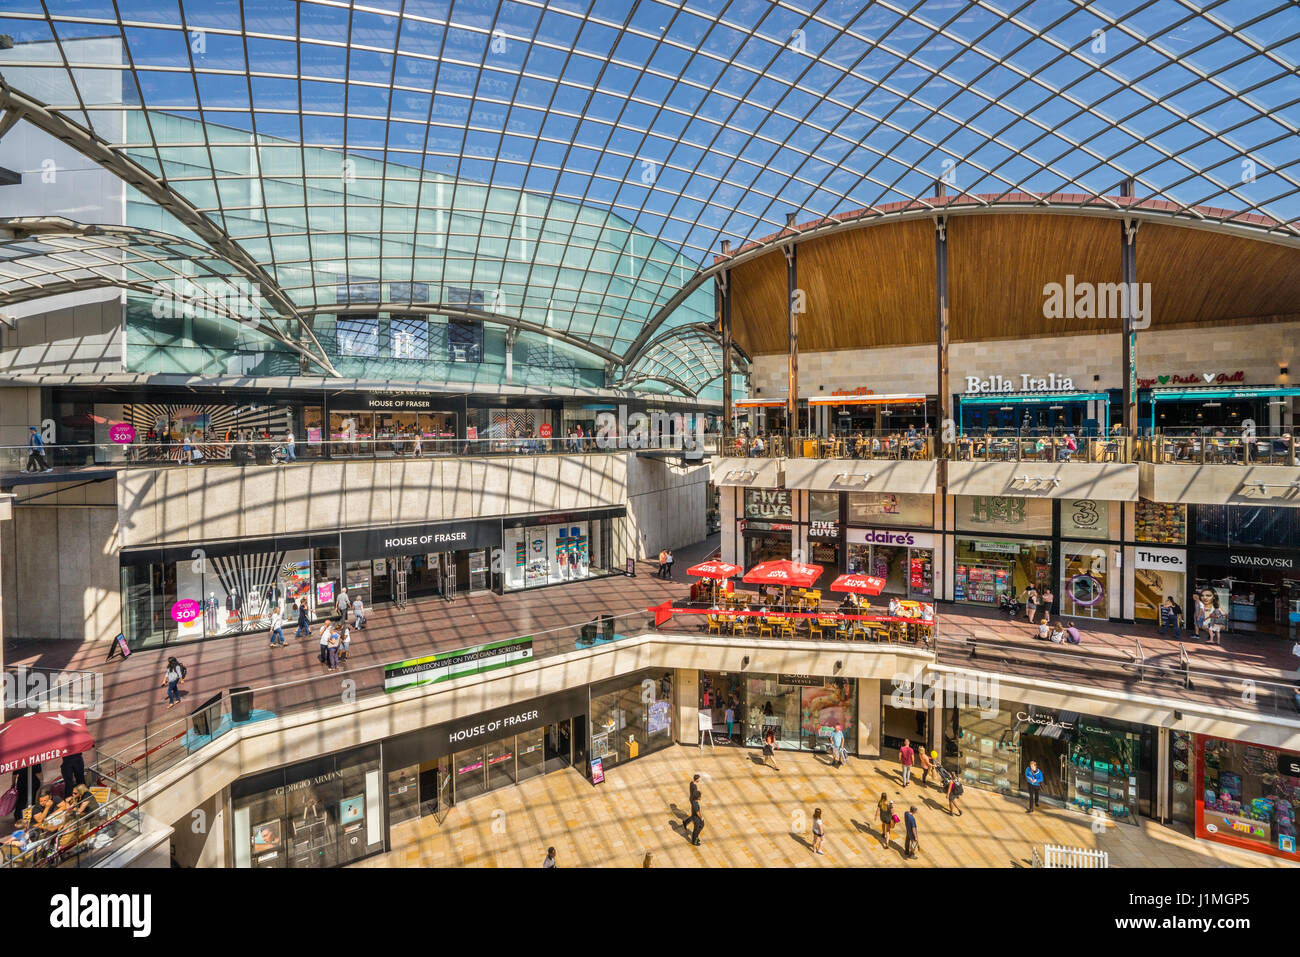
985	569
1160	523
1083	581
322	813
770	704
632	718
1250	796
888	508
1182	791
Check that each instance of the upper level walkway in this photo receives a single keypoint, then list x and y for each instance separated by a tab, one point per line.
1128	658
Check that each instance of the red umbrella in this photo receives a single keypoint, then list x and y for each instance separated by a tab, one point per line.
31	740
784	572
714	569
859	584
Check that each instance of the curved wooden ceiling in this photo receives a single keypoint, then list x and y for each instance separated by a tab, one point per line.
874	286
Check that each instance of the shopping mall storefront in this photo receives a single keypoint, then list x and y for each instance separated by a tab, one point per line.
340	808
802	711
224	588
1096	765
1245	795
1002	543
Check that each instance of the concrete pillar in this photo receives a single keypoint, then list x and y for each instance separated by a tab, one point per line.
868	718
686	682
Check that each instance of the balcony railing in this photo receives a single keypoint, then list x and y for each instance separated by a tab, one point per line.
276	452
1187	447
76	832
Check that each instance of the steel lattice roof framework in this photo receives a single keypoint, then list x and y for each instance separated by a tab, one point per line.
614	143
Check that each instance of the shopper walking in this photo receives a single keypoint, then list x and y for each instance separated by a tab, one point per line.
662	571
906	757
730	718
1215	619
885	811
277	627
837	747
693	793
1169	615
1034	778
955	791
927	765
304	628
549	860
173	679
769	748
343	603
359	614
669	565
696	820
73	772
36	452
1031	603
819	831
911	841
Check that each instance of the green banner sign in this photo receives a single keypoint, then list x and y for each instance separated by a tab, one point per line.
455	664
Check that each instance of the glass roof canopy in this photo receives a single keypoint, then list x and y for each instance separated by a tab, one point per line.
570	167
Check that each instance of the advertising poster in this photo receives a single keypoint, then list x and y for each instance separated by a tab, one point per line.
453	664
325	593
297	581
352	810
659	719
597	771
266	837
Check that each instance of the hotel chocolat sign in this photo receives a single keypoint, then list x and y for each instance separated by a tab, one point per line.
420	539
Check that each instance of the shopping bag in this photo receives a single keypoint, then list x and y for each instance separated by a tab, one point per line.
8	802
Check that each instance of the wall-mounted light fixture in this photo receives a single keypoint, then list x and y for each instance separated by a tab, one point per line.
744	662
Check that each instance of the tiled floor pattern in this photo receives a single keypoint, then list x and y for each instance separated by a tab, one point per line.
758	817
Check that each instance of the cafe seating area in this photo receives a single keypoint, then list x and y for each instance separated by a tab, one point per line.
804	616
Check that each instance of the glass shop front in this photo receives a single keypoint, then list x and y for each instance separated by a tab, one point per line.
801	710
1096	765
551	549
327	812
1249	795
631	716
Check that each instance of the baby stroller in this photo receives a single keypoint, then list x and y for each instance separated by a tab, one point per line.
277	455
1009	603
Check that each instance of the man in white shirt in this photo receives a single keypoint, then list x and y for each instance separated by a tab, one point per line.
277	628
289	455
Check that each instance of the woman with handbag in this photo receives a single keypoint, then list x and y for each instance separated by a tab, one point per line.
885	810
1215	621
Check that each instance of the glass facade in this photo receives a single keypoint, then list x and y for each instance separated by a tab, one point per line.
188	594
801	710
985	568
631	716
322	813
553	551
1249	796
1096	765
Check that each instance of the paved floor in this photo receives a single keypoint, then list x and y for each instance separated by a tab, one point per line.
134	696
757	817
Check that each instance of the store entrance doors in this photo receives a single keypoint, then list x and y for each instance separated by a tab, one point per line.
1051	753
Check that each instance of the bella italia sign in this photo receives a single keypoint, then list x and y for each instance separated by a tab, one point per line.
1027	382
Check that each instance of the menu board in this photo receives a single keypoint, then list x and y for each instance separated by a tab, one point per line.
597	771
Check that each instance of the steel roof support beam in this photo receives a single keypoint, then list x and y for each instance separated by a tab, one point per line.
98	151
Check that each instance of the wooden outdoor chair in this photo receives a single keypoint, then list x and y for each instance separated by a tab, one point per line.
765	627
786	627
715	625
